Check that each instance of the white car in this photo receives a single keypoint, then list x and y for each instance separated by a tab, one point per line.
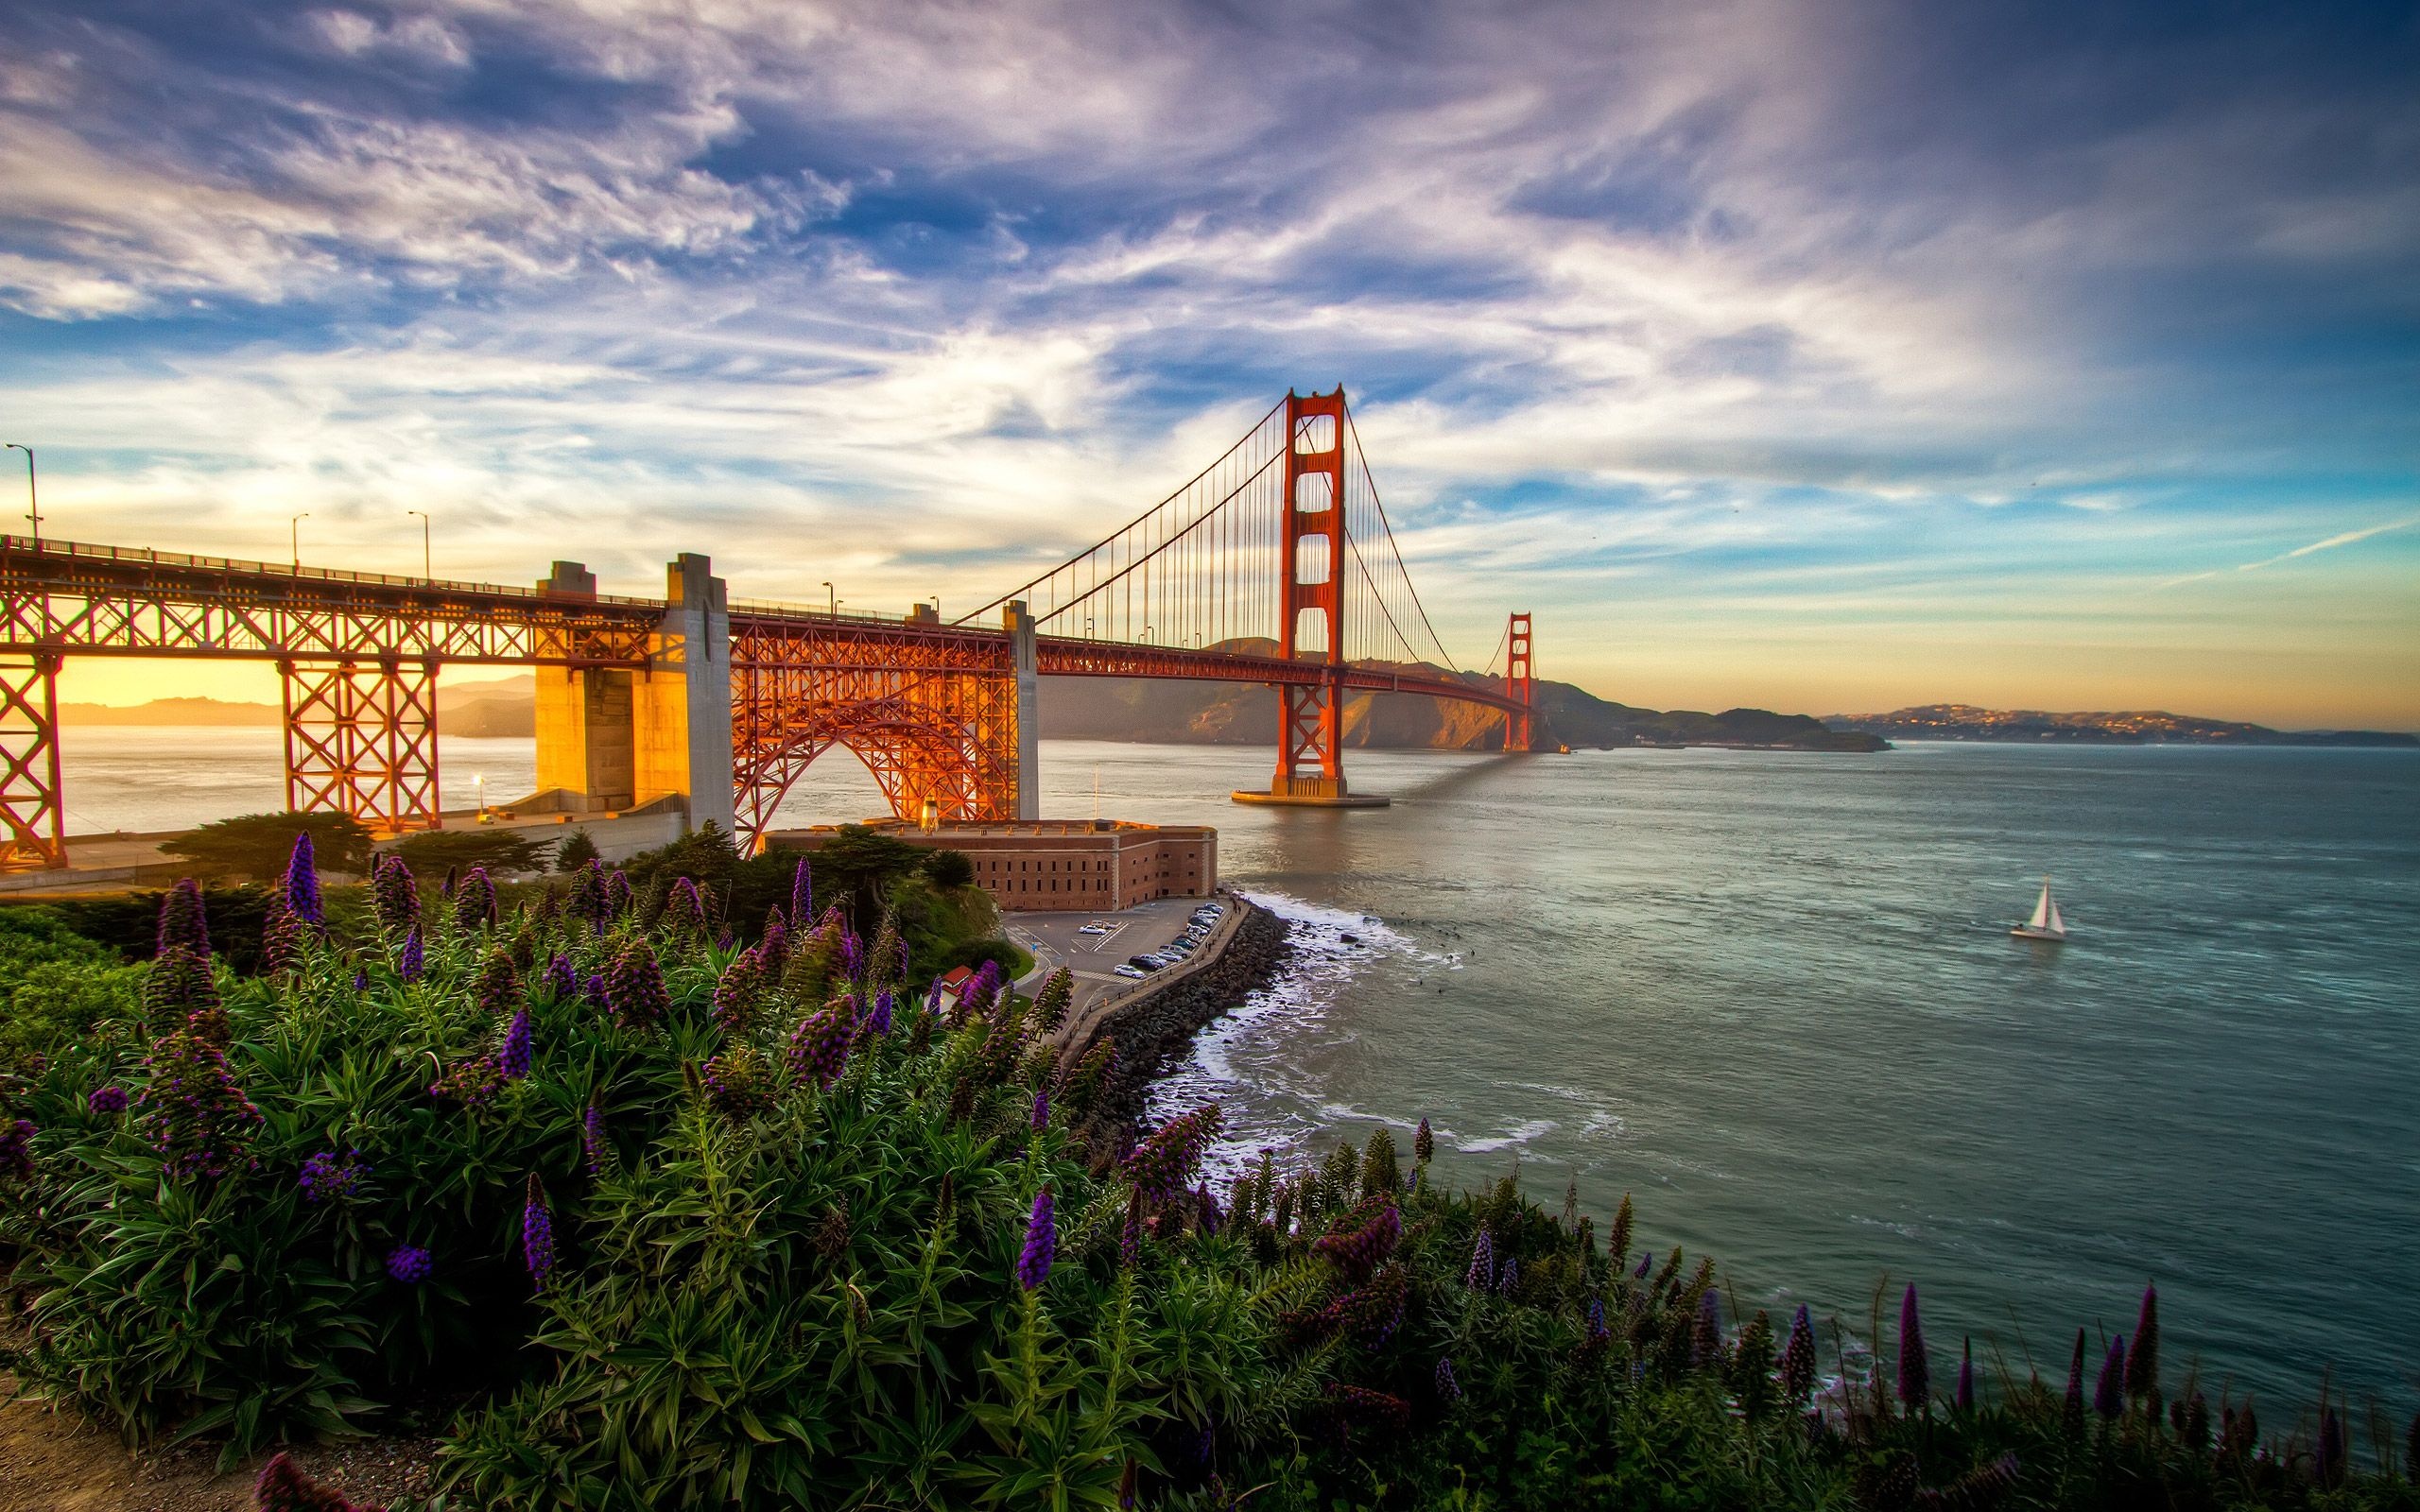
1121	969
1092	928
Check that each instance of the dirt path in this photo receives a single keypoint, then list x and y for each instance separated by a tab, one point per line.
56	1461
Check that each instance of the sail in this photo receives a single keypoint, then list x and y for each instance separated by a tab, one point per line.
2058	926
2046	913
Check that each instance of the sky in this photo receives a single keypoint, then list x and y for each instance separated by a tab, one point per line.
1821	357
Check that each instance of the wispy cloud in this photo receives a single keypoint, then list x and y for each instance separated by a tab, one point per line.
2345	538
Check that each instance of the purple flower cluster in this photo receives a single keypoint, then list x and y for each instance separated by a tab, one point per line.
474	1083
1509	1276
328	1178
802	895
819	1049
1041	1110
588	901
634	984
16	1149
1915	1365
394	894
684	913
106	1100
1963	1401
1798	1359
413	960
1482	1274
1161	1165
499	986
1375	1310
193	1111
1448	1388
619	896
774	947
593	1147
878	1017
182	922
512	1057
280	938
537	1235
739	991
1359	1251
302	886
410	1264
563	982
736	1081
1041	1242
1424	1149
2109	1392
1706	1334
474	905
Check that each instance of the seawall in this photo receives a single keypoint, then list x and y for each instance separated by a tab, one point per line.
1153	1024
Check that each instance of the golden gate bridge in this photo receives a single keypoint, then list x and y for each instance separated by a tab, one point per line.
1274	565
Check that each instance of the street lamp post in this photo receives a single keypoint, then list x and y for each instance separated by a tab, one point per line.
425	570
294	530
481	780
832	596
33	500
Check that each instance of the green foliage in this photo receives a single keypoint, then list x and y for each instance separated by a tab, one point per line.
1013	961
500	850
576	850
257	845
59	987
787	1273
949	868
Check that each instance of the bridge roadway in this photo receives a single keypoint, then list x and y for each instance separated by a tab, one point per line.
719	703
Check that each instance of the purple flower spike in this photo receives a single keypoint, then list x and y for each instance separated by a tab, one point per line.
1447	1388
181	918
413	960
803	896
326	1178
1915	1366
410	1264
16	1152
1483	1268
1596	1328
1511	1277
592	1139
537	1235
1645	1262
513	1058
1041	1110
107	1100
302	883
1798	1359
361	981
878	1018
2109	1392
563	982
1041	1242
1965	1401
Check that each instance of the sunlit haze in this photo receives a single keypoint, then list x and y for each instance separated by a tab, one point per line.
1814	358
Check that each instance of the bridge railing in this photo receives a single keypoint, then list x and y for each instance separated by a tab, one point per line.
186	562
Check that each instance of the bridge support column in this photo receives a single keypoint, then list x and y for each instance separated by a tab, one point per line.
1521	682
362	740
1310	727
611	738
33	813
1024	659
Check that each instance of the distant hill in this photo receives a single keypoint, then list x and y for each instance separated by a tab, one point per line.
1960	721
1244	714
490	706
1138	708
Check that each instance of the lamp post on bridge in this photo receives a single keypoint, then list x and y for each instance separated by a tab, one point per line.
33	500
425	573
832	597
294	530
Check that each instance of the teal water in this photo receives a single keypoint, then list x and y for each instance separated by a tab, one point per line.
1774	995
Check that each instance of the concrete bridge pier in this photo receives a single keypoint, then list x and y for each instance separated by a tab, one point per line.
613	739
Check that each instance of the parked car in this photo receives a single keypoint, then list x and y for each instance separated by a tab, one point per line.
1092	928
1121	969
1147	963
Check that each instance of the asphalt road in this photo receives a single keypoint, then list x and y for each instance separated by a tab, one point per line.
1054	941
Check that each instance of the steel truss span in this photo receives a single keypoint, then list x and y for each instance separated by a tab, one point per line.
1275	565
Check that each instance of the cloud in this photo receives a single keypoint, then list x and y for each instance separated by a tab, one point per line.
2343	537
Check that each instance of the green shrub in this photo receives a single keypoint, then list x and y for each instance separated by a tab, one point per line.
949	868
576	850
255	846
58	986
499	850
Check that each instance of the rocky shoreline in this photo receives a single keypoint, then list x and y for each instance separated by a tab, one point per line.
1153	1028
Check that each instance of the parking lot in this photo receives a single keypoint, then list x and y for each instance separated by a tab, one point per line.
1057	940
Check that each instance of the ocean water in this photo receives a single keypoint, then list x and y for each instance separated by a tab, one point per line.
1773	996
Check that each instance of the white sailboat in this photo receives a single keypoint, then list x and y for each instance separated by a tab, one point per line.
2046	923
